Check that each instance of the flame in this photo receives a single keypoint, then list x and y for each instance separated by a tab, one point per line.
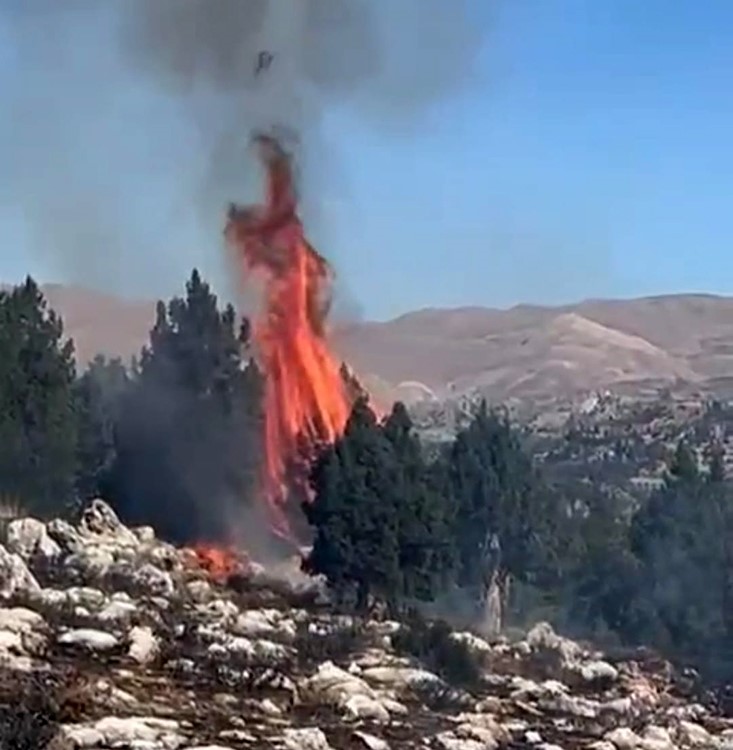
220	563
305	399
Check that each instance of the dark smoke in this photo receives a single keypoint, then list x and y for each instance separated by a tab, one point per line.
122	117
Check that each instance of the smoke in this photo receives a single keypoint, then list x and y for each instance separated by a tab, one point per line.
128	122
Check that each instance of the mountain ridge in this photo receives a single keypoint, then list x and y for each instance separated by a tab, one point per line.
524	351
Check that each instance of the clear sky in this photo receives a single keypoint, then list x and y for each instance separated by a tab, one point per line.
589	156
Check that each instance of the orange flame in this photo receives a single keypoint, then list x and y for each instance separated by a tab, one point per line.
305	396
220	563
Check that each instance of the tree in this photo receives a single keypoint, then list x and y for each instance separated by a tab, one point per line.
188	438
37	420
497	504
99	396
716	462
380	528
682	541
683	466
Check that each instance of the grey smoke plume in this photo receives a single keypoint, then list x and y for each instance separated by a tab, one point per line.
106	92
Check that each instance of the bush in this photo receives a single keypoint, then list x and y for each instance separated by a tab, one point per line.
30	710
432	643
333	644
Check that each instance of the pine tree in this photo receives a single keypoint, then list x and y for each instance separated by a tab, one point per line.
37	420
188	440
99	396
381	528
683	466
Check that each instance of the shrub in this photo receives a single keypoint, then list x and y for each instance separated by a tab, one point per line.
432	643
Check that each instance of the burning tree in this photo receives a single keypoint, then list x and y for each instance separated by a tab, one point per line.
305	397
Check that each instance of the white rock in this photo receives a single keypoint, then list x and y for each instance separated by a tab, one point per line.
82	736
85	596
693	735
624	738
65	535
135	732
335	686
370	742
99	520
15	578
309	738
145	534
144	646
89	563
199	591
449	741
28	537
596	670
543	638
364	707
26	625
117	611
94	640
153	581
657	738
477	646
400	677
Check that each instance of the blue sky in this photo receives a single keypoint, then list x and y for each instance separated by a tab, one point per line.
589	156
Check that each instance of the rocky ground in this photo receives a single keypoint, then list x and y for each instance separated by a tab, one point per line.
110	638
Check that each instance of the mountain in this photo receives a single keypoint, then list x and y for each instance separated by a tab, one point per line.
525	351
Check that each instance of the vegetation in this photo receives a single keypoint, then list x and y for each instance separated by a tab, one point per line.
176	434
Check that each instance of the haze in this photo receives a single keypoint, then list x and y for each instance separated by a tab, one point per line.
583	153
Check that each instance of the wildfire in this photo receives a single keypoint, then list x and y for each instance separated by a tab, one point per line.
305	397
220	563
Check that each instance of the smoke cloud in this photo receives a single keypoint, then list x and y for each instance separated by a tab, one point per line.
123	117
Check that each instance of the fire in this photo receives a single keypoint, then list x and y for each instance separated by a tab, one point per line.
306	402
220	563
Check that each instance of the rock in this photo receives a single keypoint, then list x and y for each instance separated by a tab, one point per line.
118	611
334	686
400	677
27	537
310	738
99	520
153	581
598	671
624	738
365	707
89	564
28	626
370	742
15	578
65	535
543	638
144	646
477	646
149	732
693	735
144	534
90	639
449	741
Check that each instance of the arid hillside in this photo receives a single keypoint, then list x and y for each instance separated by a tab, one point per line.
526	351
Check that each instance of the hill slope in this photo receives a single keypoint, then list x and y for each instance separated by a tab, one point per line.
524	351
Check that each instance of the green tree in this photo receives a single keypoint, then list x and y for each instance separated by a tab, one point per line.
37	420
99	396
682	541
683	466
380	528
188	438
716	462
498	504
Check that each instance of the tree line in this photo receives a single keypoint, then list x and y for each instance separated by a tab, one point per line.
172	440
